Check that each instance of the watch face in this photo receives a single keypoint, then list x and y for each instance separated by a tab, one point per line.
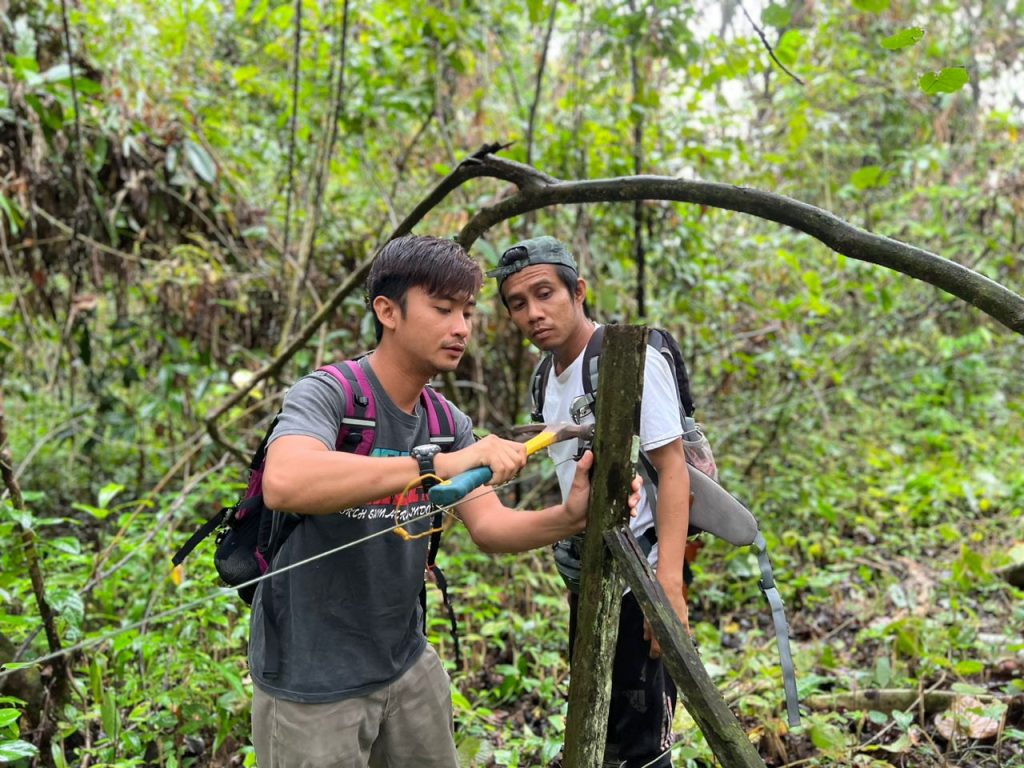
423	451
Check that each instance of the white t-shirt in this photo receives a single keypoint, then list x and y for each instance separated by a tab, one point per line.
659	423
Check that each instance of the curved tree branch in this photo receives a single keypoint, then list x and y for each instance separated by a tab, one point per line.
541	191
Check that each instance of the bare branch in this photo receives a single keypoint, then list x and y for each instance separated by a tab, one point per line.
32	561
539	81
771	51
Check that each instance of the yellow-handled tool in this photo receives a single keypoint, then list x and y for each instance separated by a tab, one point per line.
455	489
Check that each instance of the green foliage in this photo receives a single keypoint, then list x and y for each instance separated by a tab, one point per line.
871	422
903	39
948	80
12	749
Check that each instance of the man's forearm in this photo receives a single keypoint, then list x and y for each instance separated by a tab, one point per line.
673	522
321	482
517	530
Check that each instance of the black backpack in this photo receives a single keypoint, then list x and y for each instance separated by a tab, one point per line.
739	528
250	534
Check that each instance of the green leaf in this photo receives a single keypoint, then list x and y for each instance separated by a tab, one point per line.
871	6
51	118
22	517
86	86
98	512
827	737
23	66
200	161
535	9
789	46
69	545
260	11
281	17
109	715
903	719
57	751
883	671
107	492
903	39
9	209
969	667
8	716
968	690
776	15
868	177
14	666
15	750
55	74
244	74
949	80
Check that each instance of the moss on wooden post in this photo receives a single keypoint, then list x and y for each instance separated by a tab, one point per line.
618	412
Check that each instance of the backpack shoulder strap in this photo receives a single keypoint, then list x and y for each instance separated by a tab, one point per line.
252	490
591	359
359	421
666	344
440	422
539	385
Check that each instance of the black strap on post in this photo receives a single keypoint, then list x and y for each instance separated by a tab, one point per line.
442	584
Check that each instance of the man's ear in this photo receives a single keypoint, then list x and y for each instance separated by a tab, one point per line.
581	291
387	311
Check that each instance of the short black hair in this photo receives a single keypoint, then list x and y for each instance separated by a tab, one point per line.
440	267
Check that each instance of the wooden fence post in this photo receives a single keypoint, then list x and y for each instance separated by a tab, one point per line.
618	414
697	690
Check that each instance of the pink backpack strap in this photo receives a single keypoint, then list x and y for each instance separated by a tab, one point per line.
440	421
359	422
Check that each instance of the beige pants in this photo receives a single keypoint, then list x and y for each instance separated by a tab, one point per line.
407	724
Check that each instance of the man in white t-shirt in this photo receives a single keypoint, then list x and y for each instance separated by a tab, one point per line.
545	296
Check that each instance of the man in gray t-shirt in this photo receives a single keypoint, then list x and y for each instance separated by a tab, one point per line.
356	683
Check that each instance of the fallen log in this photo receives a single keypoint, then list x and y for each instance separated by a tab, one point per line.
897	699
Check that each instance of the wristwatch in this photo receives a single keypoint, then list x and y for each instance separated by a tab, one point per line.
424	455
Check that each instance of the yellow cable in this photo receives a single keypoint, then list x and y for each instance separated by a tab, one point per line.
399	530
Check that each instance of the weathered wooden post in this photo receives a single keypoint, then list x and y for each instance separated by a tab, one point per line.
611	560
697	690
618	412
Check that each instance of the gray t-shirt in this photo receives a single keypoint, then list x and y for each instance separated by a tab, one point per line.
350	622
